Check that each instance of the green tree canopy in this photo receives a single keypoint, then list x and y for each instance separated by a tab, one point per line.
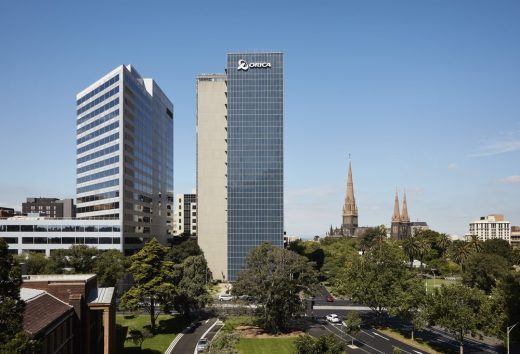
459	309
499	247
484	269
110	266
328	344
276	277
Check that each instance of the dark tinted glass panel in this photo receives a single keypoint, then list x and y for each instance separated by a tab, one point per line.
27	239
40	240
91	240
13	228
105	240
67	240
27	228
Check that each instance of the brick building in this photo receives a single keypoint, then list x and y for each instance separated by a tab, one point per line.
69	313
51	207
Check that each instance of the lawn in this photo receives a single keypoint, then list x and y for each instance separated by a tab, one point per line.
232	322
432	284
266	345
167	328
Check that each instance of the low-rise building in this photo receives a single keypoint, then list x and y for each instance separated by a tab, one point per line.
51	207
491	226
6	212
515	236
69	313
39	234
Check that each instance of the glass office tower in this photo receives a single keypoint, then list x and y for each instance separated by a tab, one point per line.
125	156
255	154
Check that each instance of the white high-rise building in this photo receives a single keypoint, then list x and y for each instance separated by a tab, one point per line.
491	226
125	156
185	218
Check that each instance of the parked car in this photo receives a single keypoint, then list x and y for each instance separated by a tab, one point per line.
225	297
202	345
332	318
329	298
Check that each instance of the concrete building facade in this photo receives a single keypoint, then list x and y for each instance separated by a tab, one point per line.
212	171
491	226
50	207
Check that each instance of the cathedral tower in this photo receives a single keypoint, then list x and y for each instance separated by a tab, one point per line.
396	218
350	213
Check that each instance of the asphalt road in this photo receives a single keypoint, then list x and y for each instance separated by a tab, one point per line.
205	327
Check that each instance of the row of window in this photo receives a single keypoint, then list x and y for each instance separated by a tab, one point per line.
99	142
99	153
71	240
98	175
98	111
98	121
98	89
98	100
94	197
59	228
98	164
100	185
98	207
98	132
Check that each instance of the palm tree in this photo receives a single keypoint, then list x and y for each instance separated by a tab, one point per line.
444	243
475	243
460	252
411	248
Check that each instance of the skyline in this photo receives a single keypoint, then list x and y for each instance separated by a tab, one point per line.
429	108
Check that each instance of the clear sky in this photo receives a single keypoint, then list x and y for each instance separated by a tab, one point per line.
424	95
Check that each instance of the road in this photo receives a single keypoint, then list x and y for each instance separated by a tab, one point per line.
187	344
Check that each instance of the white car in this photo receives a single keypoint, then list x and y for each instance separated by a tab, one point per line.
332	318
202	345
225	297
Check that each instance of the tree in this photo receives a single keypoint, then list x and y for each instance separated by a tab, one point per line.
150	282
82	258
443	243
484	269
305	344
499	247
192	293
379	278
411	248
474	243
352	324
276	277
110	266
186	248
410	302
505	306
35	262
371	237
137	337
12	337
460	252
459	309
224	343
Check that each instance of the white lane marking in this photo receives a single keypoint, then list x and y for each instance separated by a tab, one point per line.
377	334
418	352
207	321
368	334
351	337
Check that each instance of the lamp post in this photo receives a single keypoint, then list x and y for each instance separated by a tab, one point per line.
509	329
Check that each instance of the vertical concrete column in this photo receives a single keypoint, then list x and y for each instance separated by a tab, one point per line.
107	325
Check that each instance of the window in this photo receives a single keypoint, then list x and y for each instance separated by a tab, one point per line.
27	240
27	228
13	228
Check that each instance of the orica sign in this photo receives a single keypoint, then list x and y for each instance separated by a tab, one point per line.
243	65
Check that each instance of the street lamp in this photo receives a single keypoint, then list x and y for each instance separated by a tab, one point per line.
509	329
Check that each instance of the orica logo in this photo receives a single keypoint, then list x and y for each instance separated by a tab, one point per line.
243	65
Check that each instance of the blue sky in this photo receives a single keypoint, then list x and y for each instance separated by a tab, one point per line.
425	95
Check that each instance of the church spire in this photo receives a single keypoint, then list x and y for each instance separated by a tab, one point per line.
350	208
396	217
404	216
350	212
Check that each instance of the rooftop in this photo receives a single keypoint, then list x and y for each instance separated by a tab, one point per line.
100	296
41	309
58	277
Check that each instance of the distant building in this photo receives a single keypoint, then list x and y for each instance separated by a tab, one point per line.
185	221
418	225
515	236
289	239
401	226
69	313
6	212
50	207
491	226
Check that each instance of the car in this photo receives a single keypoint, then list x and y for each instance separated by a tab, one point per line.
332	318
202	345
225	297
245	297
329	298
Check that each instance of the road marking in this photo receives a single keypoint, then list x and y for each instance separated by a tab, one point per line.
377	334
348	335
417	351
205	333
207	321
368	334
343	339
